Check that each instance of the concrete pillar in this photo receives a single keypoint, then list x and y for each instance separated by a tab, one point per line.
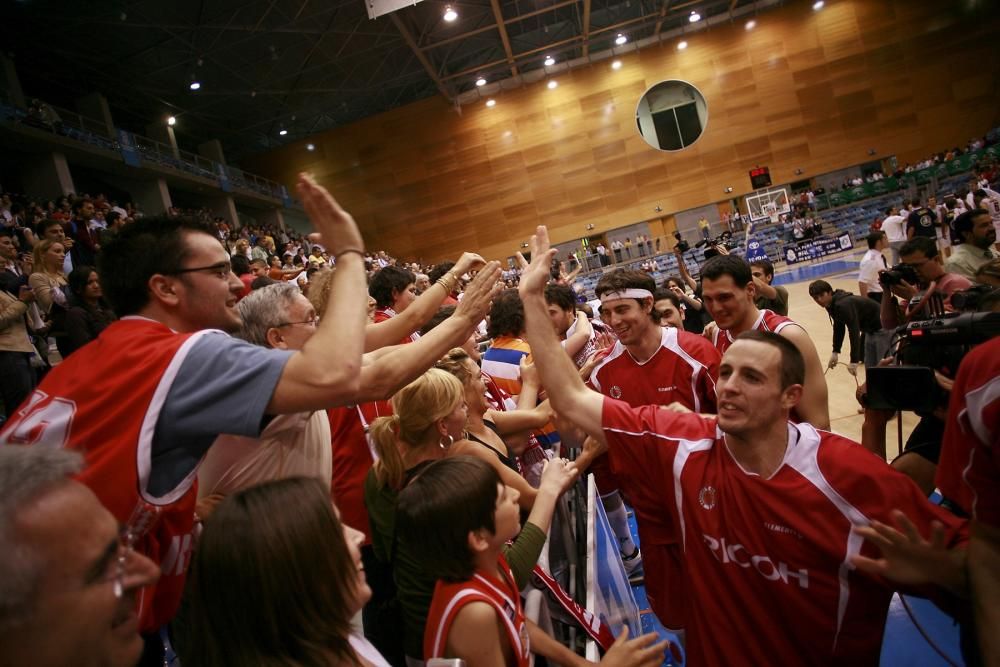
95	106
225	206
151	195
212	150
165	135
10	83
272	216
47	172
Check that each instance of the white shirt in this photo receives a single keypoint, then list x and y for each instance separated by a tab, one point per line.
894	227
871	264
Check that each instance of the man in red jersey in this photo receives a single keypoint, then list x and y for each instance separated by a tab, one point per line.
766	510
146	399
728	293
651	365
968	476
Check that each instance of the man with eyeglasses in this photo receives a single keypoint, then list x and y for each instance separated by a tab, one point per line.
68	585
146	400
922	255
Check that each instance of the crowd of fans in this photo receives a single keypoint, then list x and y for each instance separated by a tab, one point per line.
182	505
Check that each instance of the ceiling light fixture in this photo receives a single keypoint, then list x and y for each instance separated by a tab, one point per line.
818	5
616	64
550	61
491	103
195	85
553	84
695	17
751	24
171	121
282	132
620	39
481	81
310	147
450	14
681	45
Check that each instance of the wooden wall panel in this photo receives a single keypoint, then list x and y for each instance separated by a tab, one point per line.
804	90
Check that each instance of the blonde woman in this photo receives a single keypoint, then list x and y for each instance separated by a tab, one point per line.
429	416
48	278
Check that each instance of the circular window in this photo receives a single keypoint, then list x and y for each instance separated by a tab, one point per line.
671	115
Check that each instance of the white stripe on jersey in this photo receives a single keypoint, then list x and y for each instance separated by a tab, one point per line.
501	369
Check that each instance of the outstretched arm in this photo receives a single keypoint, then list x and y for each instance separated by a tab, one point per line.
574	401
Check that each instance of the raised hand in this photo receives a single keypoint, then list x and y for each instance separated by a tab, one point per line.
337	229
558	475
479	294
638	652
529	374
536	275
469	261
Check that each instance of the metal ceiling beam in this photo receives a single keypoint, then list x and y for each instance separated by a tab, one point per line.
498	17
586	27
663	16
412	43
493	26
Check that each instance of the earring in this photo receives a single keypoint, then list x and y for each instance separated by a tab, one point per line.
451	441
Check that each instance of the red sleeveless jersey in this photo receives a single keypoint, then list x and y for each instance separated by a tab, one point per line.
501	594
104	401
768	321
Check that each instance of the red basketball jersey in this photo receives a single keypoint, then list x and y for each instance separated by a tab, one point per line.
501	594
104	401
768	321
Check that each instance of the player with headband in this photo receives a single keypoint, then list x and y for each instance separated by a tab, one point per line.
649	365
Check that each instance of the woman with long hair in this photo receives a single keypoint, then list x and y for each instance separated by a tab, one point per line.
48	278
88	313
429	415
275	580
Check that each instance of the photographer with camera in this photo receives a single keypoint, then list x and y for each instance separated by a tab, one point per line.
921	273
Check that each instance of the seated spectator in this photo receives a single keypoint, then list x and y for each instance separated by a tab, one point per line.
88	313
459	516
68	585
275	580
977	237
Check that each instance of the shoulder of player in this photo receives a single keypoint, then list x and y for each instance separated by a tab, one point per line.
702	348
853	471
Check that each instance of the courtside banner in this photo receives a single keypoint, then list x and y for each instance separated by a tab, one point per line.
816	248
609	595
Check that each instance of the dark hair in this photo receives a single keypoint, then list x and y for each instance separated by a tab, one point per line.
443	313
506	315
727	265
764	264
922	244
78	204
888	211
388	280
562	296
78	279
271	582
262	281
818	287
963	223
45	224
873	239
437	510
623	279
241	265
111	217
677	280
793	365
440	270
138	252
663	293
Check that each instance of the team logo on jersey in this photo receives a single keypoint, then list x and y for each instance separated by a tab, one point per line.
706	497
616	391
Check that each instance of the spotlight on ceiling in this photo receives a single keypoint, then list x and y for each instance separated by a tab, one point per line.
171	121
750	25
550	61
616	64
282	132
695	17
310	147
620	39
450	14
682	45
481	81
195	85
818	5
553	85
491	103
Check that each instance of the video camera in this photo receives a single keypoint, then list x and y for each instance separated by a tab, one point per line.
897	274
936	344
681	244
722	240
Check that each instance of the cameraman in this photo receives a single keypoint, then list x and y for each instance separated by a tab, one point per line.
921	262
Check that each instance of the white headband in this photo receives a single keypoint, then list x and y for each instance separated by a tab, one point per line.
630	293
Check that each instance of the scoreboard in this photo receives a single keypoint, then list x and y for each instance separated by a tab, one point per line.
760	177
